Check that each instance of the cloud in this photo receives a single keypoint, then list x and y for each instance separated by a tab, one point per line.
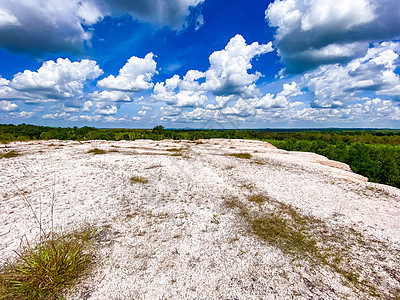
228	72
22	114
316	32
105	109
232	108
7	106
38	26
56	116
7	19
170	94
226	77
91	12
112	96
87	105
170	113
372	110
134	76
199	22
85	118
41	26
114	119
60	80
70	109
173	13
6	92
281	100
144	110
333	85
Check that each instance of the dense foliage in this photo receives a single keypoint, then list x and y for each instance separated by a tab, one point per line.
379	162
372	153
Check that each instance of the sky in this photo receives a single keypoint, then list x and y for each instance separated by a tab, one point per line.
200	63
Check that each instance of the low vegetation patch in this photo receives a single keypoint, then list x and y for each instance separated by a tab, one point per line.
258	162
44	270
9	154
258	198
97	151
138	179
174	150
113	150
176	154
241	155
308	238
286	230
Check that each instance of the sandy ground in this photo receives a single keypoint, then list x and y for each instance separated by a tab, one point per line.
174	238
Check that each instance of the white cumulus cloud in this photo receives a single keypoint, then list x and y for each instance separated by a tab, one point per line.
106	109
333	85
60	80
56	116
134	76
112	96
7	105
228	72
228	76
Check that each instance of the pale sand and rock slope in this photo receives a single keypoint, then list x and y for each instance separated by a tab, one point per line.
183	234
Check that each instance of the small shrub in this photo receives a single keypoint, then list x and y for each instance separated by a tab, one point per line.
241	155
9	154
138	179
97	151
43	271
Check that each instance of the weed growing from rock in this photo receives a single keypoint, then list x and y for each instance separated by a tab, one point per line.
44	270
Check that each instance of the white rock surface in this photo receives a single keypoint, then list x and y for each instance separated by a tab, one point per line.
173	237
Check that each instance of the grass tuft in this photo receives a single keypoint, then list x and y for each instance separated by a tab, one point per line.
43	271
138	179
241	155
97	151
9	154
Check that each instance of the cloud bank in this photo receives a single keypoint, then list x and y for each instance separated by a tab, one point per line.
38	26
317	32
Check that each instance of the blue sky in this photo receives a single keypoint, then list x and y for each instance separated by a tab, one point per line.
200	63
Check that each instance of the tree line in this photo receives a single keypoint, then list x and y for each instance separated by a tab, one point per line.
372	153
